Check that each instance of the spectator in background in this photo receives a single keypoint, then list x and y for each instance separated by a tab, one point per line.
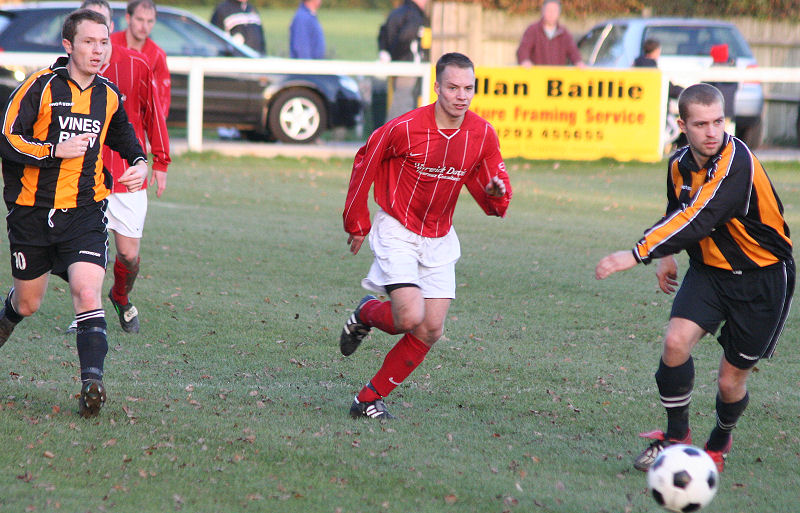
547	42
405	36
241	20
651	51
306	40
140	18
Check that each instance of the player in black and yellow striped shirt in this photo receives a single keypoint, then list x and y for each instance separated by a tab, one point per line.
55	187
723	210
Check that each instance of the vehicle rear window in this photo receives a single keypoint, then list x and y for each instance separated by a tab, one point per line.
697	41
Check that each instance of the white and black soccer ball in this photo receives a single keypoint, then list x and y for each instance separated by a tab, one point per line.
683	478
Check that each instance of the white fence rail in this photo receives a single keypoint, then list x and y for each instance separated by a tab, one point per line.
197	67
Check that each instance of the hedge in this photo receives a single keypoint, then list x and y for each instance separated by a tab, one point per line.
762	9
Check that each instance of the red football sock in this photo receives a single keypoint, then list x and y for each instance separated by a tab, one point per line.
123	281
399	363
378	314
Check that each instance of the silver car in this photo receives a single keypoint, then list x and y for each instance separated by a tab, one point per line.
685	43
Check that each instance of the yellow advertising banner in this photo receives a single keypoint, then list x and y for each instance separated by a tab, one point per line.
566	113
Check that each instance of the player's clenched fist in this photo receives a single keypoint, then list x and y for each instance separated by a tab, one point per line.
74	146
133	178
496	187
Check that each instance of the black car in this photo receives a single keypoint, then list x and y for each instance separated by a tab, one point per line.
285	107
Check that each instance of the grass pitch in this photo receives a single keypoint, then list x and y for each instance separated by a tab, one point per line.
234	397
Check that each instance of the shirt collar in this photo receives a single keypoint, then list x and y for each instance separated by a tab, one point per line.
60	69
687	160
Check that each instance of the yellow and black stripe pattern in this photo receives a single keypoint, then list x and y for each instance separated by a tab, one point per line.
46	109
726	215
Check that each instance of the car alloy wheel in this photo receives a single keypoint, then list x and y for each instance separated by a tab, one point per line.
297	116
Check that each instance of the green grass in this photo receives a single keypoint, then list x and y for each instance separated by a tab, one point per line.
234	397
350	34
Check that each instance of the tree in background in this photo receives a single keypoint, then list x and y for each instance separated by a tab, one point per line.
762	9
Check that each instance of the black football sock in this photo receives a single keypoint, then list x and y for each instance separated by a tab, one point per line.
92	343
727	416
675	386
9	312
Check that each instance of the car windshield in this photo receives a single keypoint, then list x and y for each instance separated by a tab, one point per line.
610	48
181	35
589	41
696	40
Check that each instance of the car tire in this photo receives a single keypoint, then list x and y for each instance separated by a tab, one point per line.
751	133
297	116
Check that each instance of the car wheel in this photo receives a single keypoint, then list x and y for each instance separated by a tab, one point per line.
297	116
752	133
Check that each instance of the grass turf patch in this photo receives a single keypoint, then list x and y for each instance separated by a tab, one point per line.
234	397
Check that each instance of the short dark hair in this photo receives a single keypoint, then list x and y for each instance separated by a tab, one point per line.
650	46
452	59
134	4
698	94
70	26
100	3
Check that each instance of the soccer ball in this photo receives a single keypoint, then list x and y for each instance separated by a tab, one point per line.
683	478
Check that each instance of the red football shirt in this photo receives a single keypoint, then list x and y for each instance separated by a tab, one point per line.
418	171
129	70
157	59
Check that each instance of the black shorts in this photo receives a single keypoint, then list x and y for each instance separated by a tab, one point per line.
754	305
45	240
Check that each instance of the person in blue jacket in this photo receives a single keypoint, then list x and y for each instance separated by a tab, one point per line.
306	40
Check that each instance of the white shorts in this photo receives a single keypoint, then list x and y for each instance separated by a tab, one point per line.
126	212
402	256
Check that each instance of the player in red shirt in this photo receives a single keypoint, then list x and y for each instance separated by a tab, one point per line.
126	211
418	163
140	17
